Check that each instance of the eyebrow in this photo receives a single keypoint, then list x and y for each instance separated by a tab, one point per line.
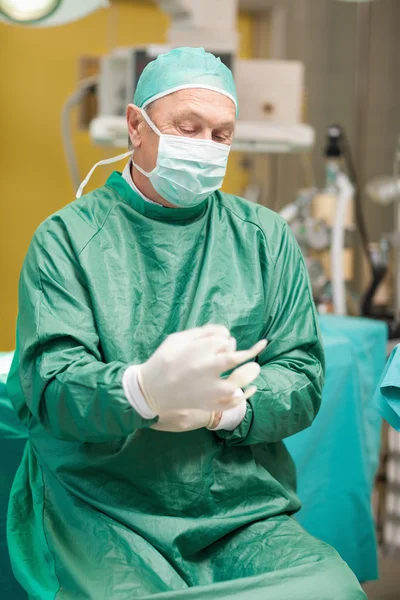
190	114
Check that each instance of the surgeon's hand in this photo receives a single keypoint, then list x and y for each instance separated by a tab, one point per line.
188	420
179	421
185	371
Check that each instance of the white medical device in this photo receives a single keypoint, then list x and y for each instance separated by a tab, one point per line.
269	118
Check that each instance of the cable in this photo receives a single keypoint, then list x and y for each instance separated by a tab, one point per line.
378	272
359	213
66	130
338	145
366	303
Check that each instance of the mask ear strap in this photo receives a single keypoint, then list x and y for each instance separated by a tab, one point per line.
157	131
106	161
150	123
142	171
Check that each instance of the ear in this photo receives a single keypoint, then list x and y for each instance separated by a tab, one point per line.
134	119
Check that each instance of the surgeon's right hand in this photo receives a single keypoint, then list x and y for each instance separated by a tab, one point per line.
185	371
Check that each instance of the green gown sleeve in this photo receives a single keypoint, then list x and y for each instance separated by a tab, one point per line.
292	366
58	377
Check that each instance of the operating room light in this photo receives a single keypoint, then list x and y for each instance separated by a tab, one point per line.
47	13
28	10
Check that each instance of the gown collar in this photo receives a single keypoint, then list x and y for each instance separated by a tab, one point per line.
126	174
153	210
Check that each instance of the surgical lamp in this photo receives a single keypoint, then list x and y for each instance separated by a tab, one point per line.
47	13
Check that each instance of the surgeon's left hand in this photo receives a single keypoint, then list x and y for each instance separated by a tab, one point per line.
179	421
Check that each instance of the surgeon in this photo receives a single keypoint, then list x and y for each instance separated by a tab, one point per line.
156	466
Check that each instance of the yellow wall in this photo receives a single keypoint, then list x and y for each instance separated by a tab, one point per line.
38	70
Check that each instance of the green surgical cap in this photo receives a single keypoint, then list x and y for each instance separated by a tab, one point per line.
184	68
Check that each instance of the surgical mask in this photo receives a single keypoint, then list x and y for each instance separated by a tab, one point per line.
106	161
188	170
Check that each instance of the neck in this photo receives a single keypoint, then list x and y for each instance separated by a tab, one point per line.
143	184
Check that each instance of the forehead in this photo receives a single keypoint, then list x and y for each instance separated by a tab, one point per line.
201	104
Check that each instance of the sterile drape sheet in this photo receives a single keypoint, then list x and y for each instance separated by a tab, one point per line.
337	457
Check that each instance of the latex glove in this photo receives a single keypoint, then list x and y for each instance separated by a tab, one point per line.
184	372
244	375
189	420
179	421
230	419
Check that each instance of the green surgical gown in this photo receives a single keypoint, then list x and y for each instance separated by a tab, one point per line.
103	507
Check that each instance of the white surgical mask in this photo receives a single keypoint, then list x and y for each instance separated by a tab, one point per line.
188	170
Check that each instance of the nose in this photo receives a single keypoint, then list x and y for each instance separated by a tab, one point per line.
205	134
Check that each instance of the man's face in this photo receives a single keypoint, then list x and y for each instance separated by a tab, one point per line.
194	113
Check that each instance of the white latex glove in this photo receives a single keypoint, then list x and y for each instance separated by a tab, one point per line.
189	420
184	372
179	421
243	376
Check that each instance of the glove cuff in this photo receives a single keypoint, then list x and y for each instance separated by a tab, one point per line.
234	416
211	421
134	395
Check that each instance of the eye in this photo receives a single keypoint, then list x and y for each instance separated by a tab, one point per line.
220	138
187	130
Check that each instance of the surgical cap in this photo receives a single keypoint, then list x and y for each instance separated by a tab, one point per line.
180	69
